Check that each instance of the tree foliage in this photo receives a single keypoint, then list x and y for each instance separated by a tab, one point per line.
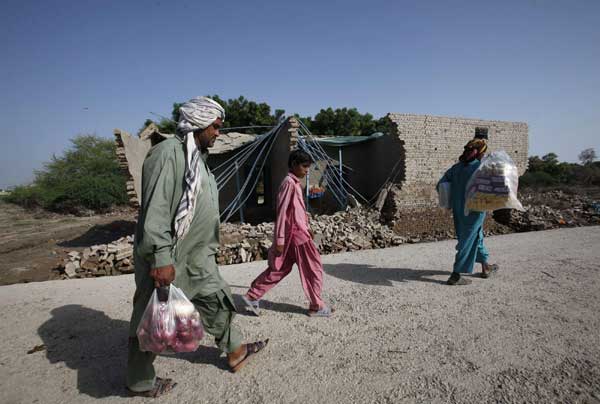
347	122
86	176
238	112
549	171
243	112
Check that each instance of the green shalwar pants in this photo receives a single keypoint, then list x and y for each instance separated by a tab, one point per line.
217	312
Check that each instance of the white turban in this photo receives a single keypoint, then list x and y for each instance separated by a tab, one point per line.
199	113
196	114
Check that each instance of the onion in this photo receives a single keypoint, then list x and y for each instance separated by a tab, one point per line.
195	323
182	324
177	346
168	334
190	346
198	333
155	346
146	324
181	346
160	346
185	336
173	325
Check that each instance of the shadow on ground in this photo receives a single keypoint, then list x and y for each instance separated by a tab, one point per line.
372	275
102	234
267	305
95	345
207	355
363	274
91	343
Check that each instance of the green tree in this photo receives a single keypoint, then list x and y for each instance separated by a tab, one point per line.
345	122
86	176
306	120
549	164
550	159
243	112
535	164
537	179
238	112
549	171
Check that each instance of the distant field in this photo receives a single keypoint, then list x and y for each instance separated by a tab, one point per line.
29	239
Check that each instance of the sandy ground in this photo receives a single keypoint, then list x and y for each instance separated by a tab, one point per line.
530	335
30	239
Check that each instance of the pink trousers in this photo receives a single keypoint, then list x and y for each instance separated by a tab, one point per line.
307	257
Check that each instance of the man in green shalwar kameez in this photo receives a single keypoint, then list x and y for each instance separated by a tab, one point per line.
176	240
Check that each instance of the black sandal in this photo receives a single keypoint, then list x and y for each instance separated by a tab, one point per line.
251	349
161	386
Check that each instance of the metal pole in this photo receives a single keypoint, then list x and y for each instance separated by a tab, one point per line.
342	177
237	184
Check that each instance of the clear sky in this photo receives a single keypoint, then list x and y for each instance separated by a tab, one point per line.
85	66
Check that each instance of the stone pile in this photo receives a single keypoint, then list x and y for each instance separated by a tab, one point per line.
351	230
115	258
354	229
244	243
549	210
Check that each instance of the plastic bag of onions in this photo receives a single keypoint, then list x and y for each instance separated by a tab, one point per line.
170	323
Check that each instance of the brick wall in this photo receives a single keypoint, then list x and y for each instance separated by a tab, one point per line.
432	144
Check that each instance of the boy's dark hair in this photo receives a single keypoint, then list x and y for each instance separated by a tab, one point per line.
298	157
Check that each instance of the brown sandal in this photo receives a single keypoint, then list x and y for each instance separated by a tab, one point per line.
491	271
251	349
161	386
456	279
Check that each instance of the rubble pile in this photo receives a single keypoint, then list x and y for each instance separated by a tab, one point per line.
549	210
115	258
351	230
244	243
354	229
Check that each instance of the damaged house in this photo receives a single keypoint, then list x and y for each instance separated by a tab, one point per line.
397	170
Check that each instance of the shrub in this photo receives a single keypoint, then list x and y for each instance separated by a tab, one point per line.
28	196
537	179
86	176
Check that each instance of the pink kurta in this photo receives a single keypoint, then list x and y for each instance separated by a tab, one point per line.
291	231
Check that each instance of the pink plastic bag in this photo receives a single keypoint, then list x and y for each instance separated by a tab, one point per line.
170	323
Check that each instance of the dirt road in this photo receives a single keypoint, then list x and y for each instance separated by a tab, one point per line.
399	335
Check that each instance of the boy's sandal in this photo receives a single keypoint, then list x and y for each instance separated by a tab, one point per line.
252	305
325	311
161	386
251	349
491	271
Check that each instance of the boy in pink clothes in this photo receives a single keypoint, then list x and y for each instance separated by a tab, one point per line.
292	244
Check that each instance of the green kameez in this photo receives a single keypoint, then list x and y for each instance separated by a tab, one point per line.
196	270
